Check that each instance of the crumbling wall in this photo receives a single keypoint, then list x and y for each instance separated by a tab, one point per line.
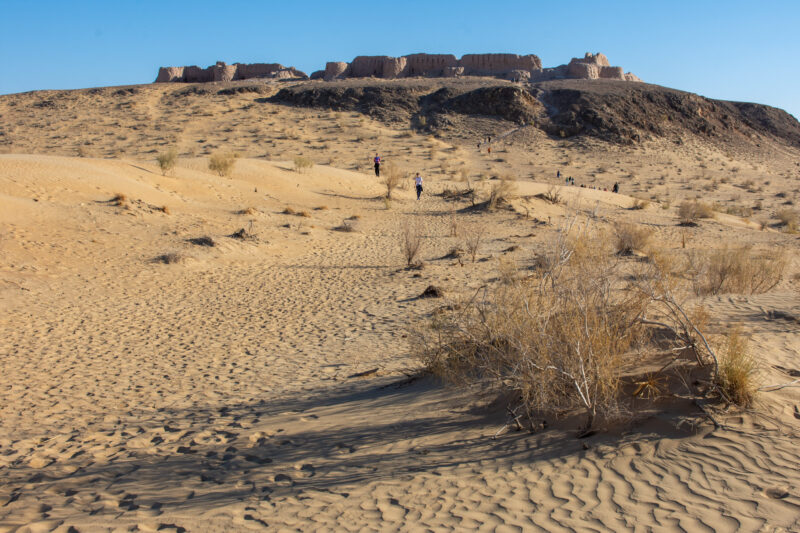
221	71
513	67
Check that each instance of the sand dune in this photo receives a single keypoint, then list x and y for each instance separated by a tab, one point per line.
264	383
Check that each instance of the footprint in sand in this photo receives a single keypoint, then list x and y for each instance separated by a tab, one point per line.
305	469
257	460
341	447
283	480
776	493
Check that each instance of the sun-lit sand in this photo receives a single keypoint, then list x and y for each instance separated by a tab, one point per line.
267	383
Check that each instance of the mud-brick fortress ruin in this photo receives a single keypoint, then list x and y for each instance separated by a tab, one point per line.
506	66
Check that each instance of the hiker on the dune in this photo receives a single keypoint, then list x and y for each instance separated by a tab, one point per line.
558	174
377	161
615	188
418	184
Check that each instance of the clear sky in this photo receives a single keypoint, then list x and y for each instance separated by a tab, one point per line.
733	50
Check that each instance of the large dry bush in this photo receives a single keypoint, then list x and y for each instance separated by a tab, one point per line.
565	337
559	338
735	269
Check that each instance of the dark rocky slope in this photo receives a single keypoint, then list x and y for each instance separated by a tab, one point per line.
615	111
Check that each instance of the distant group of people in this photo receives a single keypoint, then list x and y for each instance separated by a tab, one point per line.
488	141
378	160
569	180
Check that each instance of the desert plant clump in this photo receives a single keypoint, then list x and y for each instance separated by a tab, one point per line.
788	218
552	195
630	238
346	227
640	203
501	193
167	161
735	269
203	241
247	211
472	242
301	163
410	243
559	338
222	163
119	200
169	258
689	212
738	371
565	338
289	211
392	178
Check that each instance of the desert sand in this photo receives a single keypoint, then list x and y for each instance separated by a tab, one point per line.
267	382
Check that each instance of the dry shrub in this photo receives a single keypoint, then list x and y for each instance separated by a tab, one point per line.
501	192
507	270
170	258
119	200
289	211
691	211
739	211
410	243
788	219
203	241
640	203
738	371
304	214
559	338
392	178
167	160
552	195
735	269
164	209
301	164
569	336
345	227
631	237
473	242
222	163
247	211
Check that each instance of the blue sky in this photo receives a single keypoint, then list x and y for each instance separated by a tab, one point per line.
732	50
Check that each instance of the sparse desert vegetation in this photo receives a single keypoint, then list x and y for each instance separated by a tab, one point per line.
167	161
222	163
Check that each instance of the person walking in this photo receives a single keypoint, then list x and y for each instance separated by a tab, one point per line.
418	184
616	187
377	161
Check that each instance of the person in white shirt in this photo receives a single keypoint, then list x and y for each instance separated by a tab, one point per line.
418	184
